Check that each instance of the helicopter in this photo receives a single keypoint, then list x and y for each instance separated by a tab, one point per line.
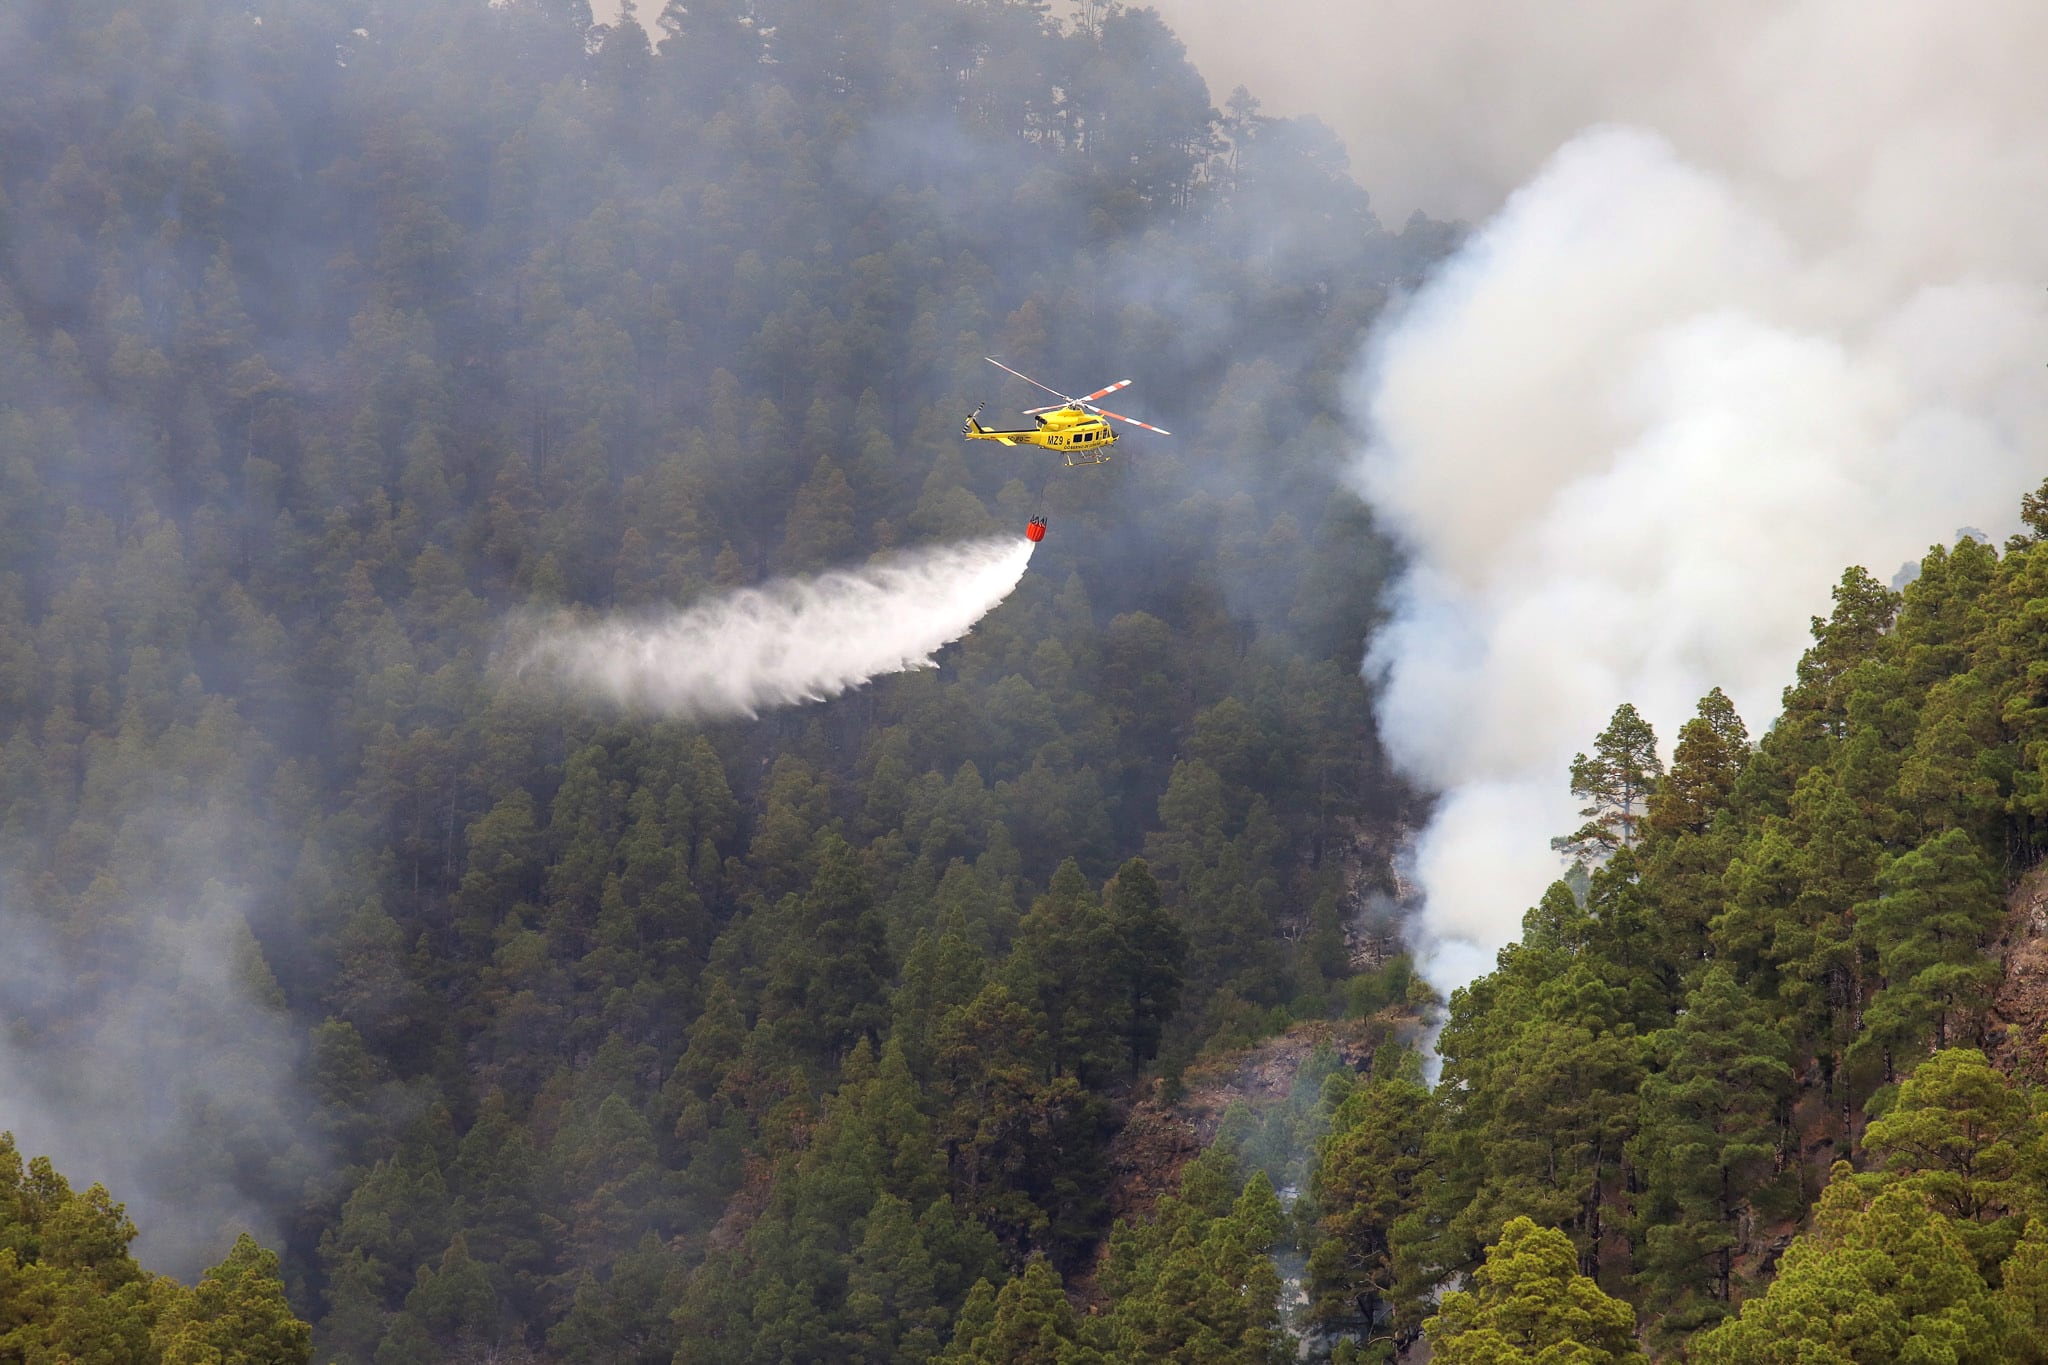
1072	428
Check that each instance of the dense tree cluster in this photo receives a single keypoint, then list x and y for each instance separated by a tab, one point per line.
69	1290
1774	962
332	329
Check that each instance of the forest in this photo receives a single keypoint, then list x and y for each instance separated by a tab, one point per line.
335	332
419	1019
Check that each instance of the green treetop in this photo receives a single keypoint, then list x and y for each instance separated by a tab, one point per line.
1712	747
69	1291
1616	784
1877	1280
1530	1306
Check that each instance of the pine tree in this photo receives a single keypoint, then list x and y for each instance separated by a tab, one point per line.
1712	748
1530	1305
1715	1121
1936	909
2023	1291
237	1310
1066	960
891	1292
1959	1135
69	1290
1617	784
1875	1279
496	1178
1153	949
623	1317
1198	1283
827	985
1864	612
820	530
939	974
1028	1323
1371	1172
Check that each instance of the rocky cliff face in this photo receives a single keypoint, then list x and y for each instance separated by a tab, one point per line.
2017	1034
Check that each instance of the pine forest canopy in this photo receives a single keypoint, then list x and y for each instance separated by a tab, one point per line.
331	332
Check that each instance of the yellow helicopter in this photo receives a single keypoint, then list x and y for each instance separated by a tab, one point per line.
1072	428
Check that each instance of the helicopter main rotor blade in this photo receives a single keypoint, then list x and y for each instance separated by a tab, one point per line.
1162	431
1053	407
1025	377
1104	393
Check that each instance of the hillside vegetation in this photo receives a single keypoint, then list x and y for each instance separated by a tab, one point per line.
1768	984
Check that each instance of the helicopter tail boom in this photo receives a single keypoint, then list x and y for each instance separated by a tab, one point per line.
972	429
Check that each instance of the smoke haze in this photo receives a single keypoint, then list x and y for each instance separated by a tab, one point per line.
1449	108
157	1059
789	641
1778	313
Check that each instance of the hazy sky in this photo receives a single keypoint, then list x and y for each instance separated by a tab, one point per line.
1448	107
1233	42
1441	112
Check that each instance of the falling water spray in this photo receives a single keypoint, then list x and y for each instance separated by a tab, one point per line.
786	642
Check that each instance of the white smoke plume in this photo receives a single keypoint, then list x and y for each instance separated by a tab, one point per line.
786	642
1774	309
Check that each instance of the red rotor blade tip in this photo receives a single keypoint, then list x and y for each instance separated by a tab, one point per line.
1134	421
